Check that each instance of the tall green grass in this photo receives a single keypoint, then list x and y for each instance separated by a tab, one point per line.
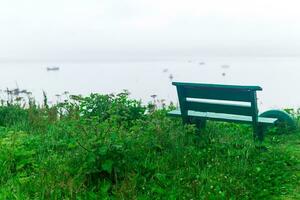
113	147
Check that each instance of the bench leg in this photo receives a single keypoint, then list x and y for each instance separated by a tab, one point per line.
201	124
259	132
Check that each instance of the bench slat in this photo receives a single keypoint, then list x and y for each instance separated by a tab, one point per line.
226	94
224	117
219	108
206	85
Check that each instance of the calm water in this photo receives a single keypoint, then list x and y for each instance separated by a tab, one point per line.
279	77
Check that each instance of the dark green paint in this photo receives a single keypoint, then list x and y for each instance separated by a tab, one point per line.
191	110
219	108
217	93
283	117
212	86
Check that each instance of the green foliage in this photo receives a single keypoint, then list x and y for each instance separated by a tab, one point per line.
12	114
113	147
118	108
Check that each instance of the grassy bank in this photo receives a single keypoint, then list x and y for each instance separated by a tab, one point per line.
111	147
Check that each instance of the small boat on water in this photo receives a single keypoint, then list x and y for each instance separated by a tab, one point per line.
225	66
54	68
165	70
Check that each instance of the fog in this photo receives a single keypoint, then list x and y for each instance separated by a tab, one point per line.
77	30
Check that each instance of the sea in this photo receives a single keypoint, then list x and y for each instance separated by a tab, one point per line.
151	80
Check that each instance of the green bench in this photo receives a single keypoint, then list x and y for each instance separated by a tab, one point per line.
229	103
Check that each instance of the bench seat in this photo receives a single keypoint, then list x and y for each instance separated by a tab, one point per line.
224	117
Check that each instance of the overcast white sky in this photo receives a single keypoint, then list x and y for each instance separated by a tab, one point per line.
108	29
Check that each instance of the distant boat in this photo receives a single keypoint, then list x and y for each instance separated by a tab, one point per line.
52	68
165	70
225	66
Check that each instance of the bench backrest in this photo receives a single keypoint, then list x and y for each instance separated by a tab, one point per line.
214	98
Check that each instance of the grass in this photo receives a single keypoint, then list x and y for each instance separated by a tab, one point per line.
291	143
112	147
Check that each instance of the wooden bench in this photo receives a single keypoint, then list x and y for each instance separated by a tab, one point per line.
229	103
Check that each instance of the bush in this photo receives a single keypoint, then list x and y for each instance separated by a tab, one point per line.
111	147
119	107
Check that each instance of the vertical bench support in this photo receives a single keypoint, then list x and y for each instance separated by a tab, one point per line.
257	129
182	104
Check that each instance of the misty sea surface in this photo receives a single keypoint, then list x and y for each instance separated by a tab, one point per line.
279	78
